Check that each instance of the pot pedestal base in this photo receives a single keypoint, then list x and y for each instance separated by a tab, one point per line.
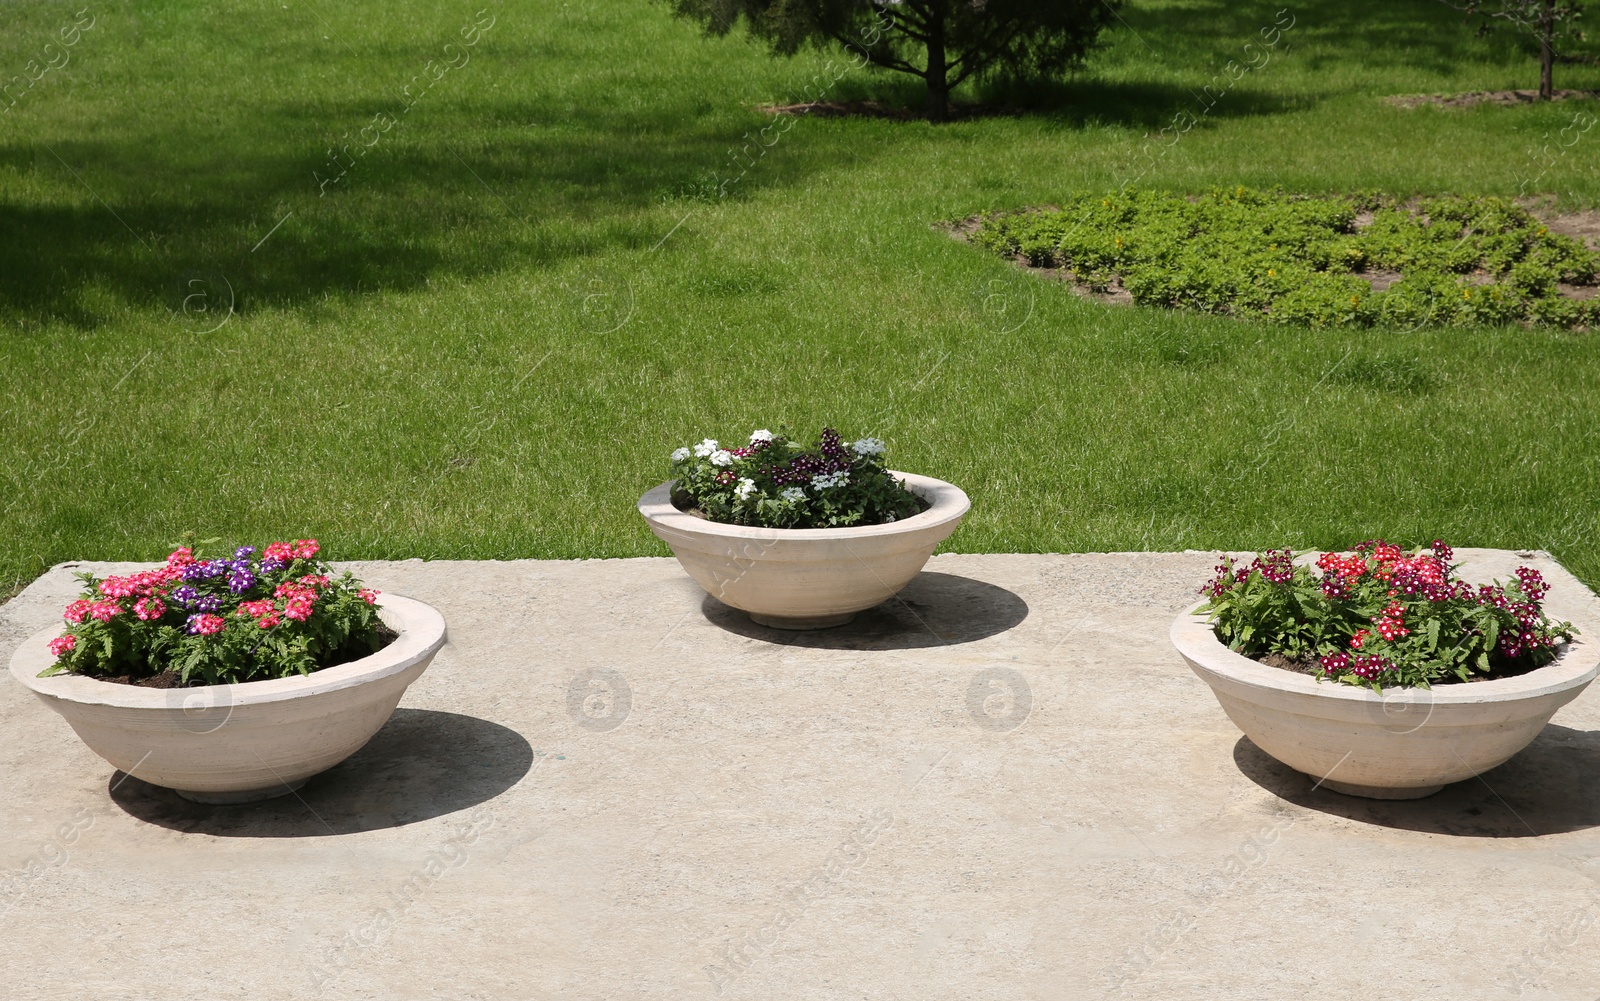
1378	792
242	796
811	622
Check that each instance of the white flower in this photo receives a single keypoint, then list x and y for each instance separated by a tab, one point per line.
762	435
867	446
793	494
722	457
838	479
706	447
745	488
679	455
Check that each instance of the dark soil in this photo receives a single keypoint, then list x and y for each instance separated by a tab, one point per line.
166	679
1278	660
682	504
1504	97
171	679
1501	668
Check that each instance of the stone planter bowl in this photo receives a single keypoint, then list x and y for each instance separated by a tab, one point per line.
243	742
807	578
1405	744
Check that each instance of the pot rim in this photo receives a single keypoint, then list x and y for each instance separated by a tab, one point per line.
947	502
1196	640
421	629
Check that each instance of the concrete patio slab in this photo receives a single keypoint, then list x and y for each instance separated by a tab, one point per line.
1006	786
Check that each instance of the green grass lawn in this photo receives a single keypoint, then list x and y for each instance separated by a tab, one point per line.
484	339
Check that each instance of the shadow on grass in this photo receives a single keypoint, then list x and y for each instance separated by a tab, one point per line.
163	220
1548	788
1371	33
422	764
935	609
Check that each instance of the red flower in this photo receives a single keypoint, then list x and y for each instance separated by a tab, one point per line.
206	625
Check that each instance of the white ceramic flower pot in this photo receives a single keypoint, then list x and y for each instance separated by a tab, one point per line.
807	578
1404	744
244	742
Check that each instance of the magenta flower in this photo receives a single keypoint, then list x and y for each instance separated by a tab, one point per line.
149	608
206	624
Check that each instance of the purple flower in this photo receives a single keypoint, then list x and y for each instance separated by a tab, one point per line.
241	581
272	566
244	552
207	603
202	570
185	595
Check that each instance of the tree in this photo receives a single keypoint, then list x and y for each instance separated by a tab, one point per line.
946	42
1548	21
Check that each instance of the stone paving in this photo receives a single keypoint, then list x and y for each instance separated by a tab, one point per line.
1005	786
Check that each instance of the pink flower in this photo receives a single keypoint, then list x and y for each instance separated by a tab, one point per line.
305	548
61	644
299	607
256	609
118	587
105	611
315	580
149	608
181	557
369	596
268	621
77	610
206	625
278	551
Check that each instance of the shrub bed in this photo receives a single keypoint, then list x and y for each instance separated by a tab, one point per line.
1313	260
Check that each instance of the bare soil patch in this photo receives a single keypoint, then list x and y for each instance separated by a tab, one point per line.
1583	226
1499	97
1380	280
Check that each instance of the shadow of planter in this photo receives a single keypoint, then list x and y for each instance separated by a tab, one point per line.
935	609
1548	788
422	764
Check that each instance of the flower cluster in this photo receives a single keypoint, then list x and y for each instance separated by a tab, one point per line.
1379	615
774	482
213	621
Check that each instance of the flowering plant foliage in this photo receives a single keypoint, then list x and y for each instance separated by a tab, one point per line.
1380	616
774	482
219	621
